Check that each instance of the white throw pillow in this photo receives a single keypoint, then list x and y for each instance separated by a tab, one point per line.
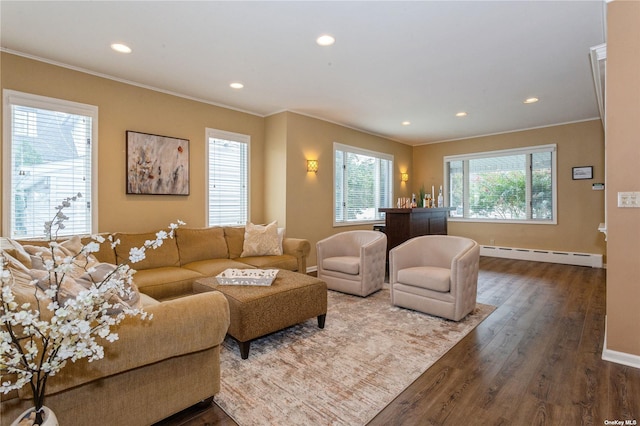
261	240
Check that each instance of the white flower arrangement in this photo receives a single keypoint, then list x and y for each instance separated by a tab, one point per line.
37	341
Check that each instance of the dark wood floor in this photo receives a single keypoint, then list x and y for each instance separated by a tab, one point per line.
535	360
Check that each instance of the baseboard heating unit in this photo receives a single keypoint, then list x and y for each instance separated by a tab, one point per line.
565	257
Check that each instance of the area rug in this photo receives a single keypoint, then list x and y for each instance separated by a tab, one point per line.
344	374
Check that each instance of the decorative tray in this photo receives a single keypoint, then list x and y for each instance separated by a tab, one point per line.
263	277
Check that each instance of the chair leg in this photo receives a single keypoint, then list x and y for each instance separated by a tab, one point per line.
321	319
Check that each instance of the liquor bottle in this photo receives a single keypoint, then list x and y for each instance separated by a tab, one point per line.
440	198
413	200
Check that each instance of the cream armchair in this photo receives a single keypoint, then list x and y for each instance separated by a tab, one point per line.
435	274
353	261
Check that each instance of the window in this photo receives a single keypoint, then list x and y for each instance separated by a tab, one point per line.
362	184
517	185
49	155
228	177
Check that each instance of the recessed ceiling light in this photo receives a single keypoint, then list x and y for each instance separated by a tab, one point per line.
406	123
461	114
531	100
236	85
122	48
325	40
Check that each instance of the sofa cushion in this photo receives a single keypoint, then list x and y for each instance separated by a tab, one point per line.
235	240
285	261
261	240
165	255
212	267
106	254
345	264
146	300
429	277
200	244
165	282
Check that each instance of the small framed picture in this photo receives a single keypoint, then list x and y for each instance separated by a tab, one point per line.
583	172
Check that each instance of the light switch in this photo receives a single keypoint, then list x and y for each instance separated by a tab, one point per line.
629	199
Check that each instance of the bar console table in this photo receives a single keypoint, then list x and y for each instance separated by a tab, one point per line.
404	224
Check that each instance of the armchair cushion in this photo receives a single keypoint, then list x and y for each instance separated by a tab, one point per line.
345	264
429	277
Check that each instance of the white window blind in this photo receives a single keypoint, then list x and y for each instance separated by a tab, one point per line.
228	178
48	158
517	185
362	184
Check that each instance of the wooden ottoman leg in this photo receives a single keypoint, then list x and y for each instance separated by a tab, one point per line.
244	349
321	319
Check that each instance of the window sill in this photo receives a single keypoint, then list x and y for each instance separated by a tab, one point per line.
499	221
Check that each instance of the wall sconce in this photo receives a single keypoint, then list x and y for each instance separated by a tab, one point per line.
404	177
312	166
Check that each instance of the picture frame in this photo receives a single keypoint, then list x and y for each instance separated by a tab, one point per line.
582	172
157	165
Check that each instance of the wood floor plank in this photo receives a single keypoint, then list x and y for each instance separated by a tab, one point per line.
537	359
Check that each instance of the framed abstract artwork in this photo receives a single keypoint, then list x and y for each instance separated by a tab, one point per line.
157	165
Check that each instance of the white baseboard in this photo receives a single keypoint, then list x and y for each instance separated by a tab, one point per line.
311	269
536	255
622	358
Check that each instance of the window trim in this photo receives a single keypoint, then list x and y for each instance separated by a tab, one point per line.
501	153
231	136
337	146
11	97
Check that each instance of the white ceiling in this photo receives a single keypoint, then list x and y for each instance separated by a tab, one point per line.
421	61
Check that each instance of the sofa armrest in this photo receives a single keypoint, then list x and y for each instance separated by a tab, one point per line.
179	326
300	248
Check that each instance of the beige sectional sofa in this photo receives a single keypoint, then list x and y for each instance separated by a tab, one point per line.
165	365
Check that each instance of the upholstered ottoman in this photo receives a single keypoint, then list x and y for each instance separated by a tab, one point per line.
256	311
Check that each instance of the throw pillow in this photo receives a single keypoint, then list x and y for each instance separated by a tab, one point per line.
130	297
261	240
22	284
280	238
69	288
68	248
15	249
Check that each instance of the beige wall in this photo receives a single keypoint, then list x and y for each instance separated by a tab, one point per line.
623	160
281	189
309	196
580	209
125	107
275	203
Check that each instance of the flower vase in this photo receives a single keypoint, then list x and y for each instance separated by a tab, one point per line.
28	417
